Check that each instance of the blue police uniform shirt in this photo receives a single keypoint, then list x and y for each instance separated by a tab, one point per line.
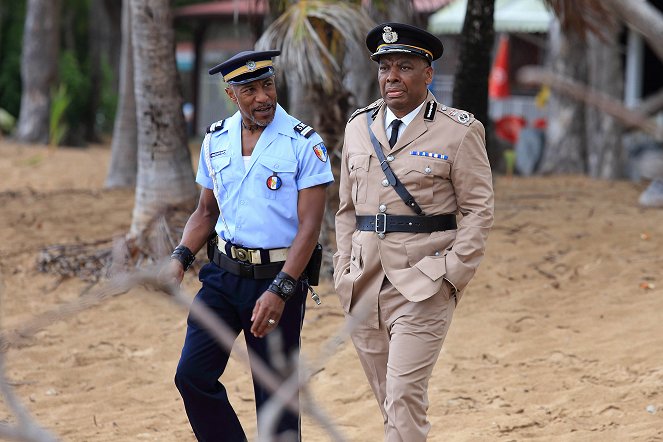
257	214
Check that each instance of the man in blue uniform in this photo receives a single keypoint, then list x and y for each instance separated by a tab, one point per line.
263	175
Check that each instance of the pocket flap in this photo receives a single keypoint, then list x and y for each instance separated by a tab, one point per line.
359	161
277	164
432	266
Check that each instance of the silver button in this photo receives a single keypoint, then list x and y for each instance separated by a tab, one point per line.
382	208
390	158
385	182
381	235
437	253
444	108
427	170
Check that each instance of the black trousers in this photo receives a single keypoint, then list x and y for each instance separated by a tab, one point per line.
203	360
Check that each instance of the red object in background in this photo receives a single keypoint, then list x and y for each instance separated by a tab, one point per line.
540	123
508	127
498	82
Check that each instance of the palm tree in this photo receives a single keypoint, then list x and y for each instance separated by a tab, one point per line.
471	78
39	63
123	166
321	44
165	175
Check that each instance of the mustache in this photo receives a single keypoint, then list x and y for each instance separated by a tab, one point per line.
264	107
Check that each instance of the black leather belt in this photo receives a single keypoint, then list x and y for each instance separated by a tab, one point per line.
383	223
245	270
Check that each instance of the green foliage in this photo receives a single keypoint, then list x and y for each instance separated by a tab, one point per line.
75	77
7	122
106	113
58	127
12	17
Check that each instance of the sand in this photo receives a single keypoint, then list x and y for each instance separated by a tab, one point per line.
559	336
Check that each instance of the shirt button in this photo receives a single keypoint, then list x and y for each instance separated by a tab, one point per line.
242	202
390	158
382	208
385	182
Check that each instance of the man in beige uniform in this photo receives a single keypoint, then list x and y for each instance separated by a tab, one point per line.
405	254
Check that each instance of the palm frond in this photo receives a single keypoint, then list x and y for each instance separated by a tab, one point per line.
313	37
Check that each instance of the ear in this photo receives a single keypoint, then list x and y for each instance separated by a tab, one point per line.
429	75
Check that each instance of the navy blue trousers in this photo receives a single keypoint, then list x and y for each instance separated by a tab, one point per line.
203	360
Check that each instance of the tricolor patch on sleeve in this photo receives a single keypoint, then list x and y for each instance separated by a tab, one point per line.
321	152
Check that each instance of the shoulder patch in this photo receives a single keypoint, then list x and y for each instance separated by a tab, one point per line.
304	129
215	126
459	116
373	106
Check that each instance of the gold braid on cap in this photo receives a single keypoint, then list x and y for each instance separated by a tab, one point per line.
245	69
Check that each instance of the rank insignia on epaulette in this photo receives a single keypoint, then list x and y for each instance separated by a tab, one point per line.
429	113
463	117
374	106
215	126
305	130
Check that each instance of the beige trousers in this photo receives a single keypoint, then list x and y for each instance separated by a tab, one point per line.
398	358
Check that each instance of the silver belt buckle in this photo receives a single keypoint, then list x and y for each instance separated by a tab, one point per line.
240	254
384	224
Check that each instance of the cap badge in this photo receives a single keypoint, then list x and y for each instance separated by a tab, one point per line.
388	35
251	65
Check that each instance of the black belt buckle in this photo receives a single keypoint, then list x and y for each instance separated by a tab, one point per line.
384	223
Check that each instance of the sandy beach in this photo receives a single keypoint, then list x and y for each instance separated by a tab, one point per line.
559	337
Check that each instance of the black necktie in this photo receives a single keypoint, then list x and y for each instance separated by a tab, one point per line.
394	132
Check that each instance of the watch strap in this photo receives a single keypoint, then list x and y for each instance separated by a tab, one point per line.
275	286
184	255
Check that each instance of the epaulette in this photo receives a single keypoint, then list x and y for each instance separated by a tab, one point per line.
459	116
373	106
215	126
304	129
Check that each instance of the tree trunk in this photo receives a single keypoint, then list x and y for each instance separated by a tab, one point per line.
565	135
471	78
604	134
39	64
124	147
165	176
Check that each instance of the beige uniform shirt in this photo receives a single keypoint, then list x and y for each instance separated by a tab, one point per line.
459	181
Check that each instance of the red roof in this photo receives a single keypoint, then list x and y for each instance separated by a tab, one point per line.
222	8
228	8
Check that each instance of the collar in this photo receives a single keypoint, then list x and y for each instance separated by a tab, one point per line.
407	119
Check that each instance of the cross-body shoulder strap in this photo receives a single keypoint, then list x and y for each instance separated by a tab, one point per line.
393	179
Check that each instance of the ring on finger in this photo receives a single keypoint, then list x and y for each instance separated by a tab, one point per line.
270	321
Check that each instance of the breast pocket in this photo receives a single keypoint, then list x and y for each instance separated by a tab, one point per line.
422	177
358	169
279	175
223	175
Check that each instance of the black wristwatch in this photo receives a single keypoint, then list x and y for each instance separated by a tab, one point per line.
283	285
184	255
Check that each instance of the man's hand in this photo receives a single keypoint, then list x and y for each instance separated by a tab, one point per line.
171	272
266	314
